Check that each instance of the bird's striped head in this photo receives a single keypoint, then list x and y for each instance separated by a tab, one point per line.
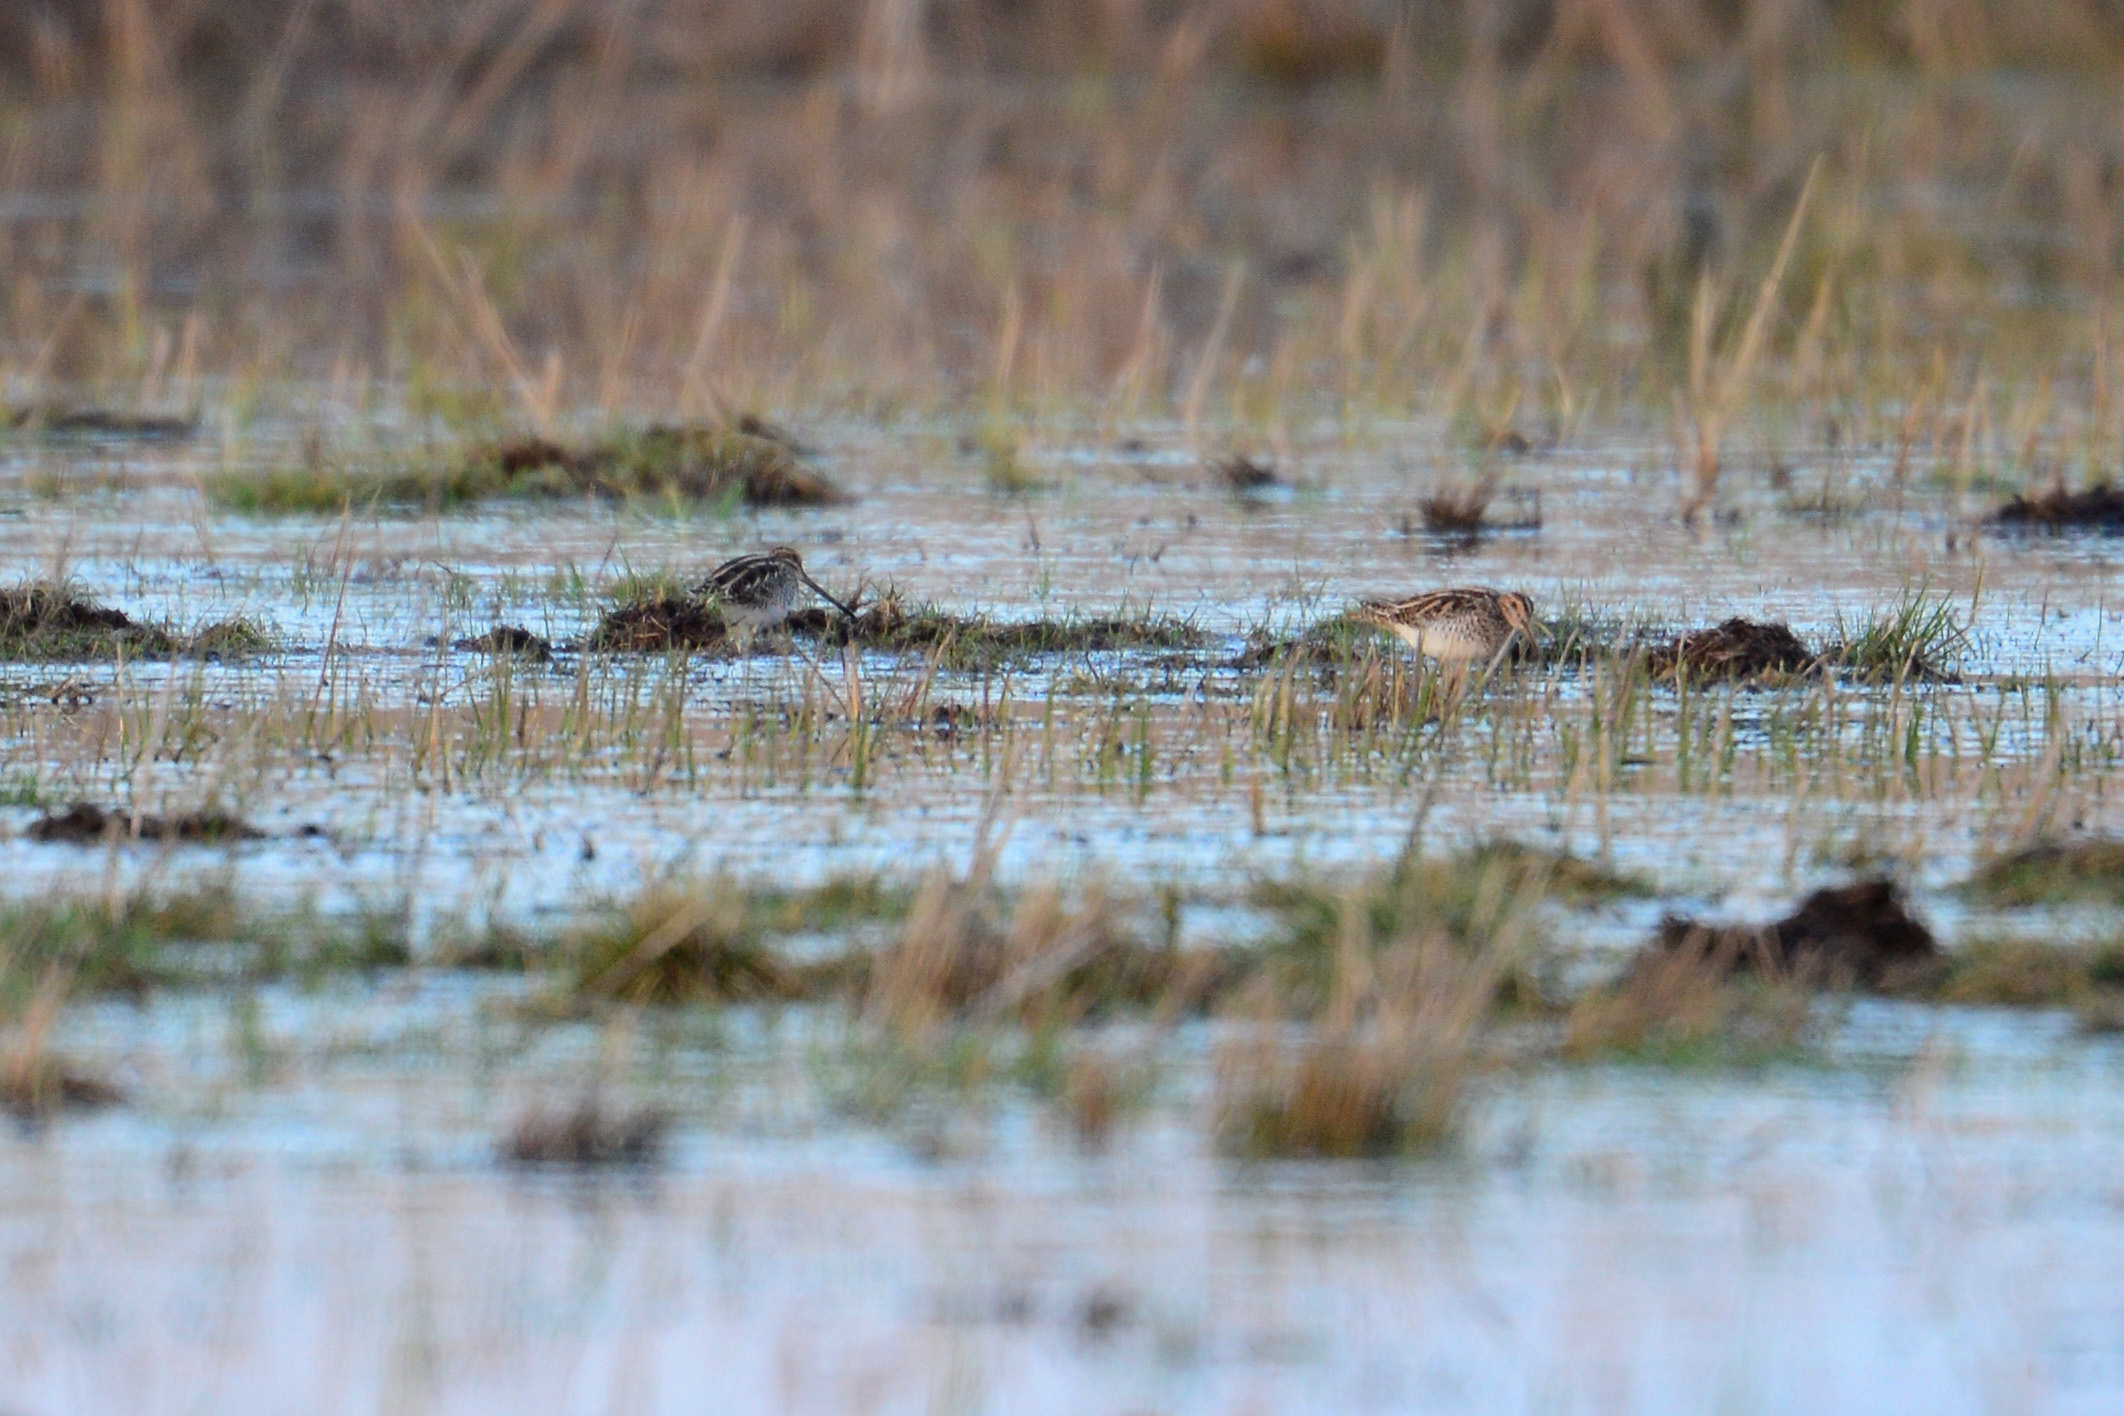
1518	611
787	555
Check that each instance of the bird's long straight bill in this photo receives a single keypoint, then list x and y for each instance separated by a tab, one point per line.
820	590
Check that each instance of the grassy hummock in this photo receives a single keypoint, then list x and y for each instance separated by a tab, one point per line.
43	621
658	463
2052	872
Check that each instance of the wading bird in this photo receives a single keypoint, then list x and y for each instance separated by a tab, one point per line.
757	592
1457	627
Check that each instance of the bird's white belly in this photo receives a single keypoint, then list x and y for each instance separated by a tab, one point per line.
763	615
1444	643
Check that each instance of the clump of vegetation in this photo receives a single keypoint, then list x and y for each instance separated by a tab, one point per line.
2099	507
657	463
2052	871
2031	974
1917	641
679	943
588	1133
964	955
1484	898
1458	509
137	941
1682	1001
1386	1067
229	639
42	620
1737	650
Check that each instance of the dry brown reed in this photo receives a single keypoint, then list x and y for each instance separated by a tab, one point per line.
1383	1071
679	942
518	215
962	957
1684	1000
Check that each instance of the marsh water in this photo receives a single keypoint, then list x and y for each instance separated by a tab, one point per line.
301	1208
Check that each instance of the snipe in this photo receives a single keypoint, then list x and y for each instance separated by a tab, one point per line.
1457	627
758	591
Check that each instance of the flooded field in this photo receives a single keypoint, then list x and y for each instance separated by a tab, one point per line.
304	1197
450	961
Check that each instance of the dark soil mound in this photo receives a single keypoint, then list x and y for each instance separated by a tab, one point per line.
2100	508
1858	933
1737	649
701	463
508	639
1240	473
585	1134
84	823
654	626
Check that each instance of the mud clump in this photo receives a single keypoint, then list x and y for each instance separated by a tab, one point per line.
510	640
588	1133
699	463
1240	473
655	626
85	823
1737	649
1853	934
2098	508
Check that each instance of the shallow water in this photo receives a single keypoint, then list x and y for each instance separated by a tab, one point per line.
1931	1221
300	1206
1115	532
